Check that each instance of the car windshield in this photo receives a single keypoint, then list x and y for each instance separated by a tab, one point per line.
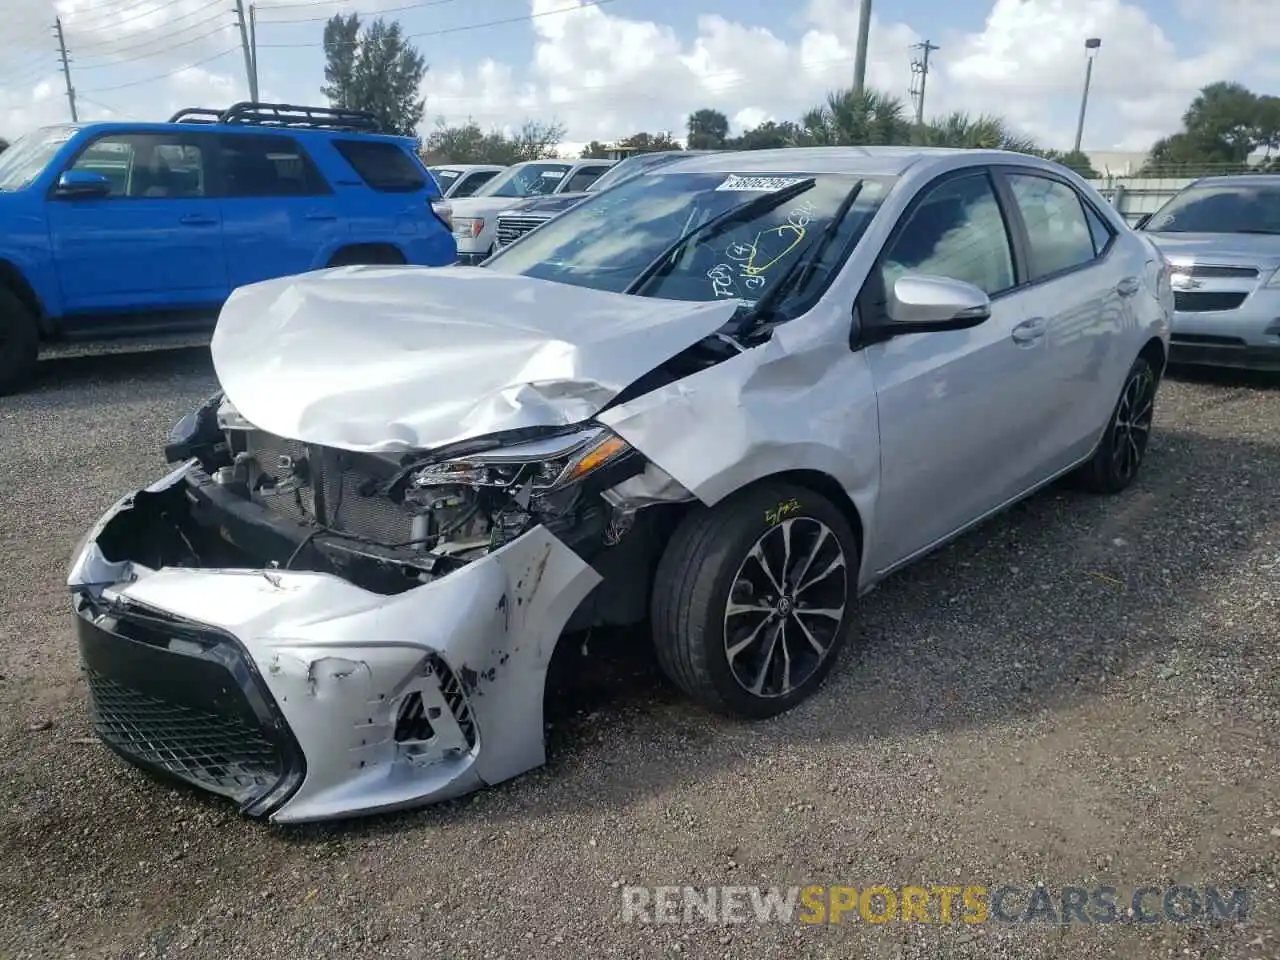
609	241
531	180
27	156
1221	208
630	167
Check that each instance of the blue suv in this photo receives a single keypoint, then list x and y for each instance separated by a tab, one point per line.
118	229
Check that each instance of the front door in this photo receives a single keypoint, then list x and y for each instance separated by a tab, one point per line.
960	411
154	243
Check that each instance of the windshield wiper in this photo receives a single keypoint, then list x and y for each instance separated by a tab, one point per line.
761	204
796	276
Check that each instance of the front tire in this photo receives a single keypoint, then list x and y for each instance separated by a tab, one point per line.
754	598
1119	456
19	342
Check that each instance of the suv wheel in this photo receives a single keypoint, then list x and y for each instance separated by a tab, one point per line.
754	598
19	342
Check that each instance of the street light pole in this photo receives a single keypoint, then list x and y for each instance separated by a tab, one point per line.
1090	51
860	53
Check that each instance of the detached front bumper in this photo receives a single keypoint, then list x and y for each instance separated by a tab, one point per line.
303	697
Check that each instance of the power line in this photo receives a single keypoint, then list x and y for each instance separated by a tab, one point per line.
472	26
108	17
153	53
165	76
373	13
130	45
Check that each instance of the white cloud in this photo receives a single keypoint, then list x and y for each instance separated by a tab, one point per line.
605	76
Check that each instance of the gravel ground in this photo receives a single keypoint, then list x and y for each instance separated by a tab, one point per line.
1084	692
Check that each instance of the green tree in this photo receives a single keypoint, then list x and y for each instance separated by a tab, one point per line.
851	119
1223	129
985	132
377	70
595	150
707	129
1075	160
468	143
649	142
770	135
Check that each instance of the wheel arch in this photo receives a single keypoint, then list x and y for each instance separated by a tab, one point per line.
1154	352
381	252
15	280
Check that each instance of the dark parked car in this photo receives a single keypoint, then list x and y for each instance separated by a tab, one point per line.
520	218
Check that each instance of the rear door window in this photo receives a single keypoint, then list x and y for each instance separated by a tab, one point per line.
383	166
268	166
584	178
1057	229
473	182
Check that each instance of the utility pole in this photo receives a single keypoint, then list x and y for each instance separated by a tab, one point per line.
66	67
253	45
860	55
1090	51
920	76
244	45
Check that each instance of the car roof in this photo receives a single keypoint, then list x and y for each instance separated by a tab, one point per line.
571	161
467	167
869	161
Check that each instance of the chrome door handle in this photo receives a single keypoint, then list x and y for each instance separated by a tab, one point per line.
1029	331
1127	287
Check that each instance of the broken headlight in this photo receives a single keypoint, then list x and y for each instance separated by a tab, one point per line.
540	466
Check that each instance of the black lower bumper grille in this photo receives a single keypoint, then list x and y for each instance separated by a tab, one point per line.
218	753
1207	302
185	701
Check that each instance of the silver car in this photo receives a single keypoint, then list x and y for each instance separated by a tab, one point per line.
1221	236
759	385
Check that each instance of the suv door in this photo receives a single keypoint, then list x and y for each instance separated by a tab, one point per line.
961	412
279	215
1075	283
154	242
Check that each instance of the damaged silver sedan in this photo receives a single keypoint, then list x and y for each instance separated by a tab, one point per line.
727	397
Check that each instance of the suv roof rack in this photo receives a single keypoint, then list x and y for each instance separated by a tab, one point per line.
283	115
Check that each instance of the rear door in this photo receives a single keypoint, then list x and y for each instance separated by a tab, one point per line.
279	215
155	242
961	412
1079	283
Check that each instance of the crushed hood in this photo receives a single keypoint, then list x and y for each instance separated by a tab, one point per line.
389	359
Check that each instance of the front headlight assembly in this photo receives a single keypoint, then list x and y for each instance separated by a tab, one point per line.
538	467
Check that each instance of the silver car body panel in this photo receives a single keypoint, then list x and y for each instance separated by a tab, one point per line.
925	435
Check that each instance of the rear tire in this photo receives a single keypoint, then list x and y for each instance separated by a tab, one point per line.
367	256
1119	456
723	630
19	342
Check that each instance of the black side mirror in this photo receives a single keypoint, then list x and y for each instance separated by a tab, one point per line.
1142	221
79	184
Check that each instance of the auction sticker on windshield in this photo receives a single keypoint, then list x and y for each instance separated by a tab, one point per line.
758	184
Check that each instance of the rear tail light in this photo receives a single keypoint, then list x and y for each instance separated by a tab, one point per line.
444	213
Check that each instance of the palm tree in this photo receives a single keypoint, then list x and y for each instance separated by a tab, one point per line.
852	119
986	132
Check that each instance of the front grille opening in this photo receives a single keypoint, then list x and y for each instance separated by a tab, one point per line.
456	698
219	753
1207	270
413	725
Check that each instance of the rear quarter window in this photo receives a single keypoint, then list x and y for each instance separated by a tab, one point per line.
383	166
